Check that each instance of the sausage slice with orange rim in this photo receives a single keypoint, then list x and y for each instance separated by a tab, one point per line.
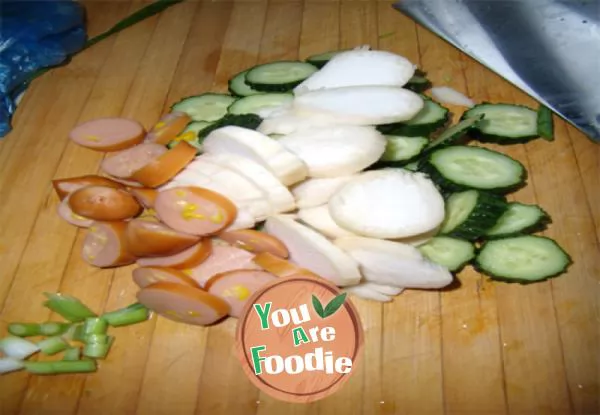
279	266
169	127
237	286
146	238
108	134
183	304
194	210
64	187
124	163
145	195
104	203
105	246
255	241
163	168
188	258
65	212
145	276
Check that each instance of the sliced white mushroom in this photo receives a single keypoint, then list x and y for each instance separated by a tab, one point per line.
311	250
360	67
393	263
335	151
320	220
279	196
372	291
316	192
388	204
362	105
286	166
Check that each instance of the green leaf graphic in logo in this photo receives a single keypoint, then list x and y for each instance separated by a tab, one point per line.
330	309
318	306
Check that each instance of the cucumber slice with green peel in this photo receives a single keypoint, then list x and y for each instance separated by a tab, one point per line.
239	87
504	123
523	259
320	59
196	127
457	168
190	134
400	148
454	134
250	121
448	252
254	103
414	166
519	219
545	124
429	119
205	107
280	76
471	213
418	82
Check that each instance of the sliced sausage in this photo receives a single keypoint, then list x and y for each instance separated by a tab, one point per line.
224	258
237	286
189	258
122	164
163	168
194	210
63	187
149	238
278	266
104	203
183	304
108	134
169	127
255	242
65	212
145	276
145	196
105	246
128	183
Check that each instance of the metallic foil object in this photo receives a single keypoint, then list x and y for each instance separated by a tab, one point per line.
548	48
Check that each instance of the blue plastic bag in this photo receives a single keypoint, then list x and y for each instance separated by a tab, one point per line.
33	36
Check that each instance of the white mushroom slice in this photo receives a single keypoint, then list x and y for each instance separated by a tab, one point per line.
311	250
388	204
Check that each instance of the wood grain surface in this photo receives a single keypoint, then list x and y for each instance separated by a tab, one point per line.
484	348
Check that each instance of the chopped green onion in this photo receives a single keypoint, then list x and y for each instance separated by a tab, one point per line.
132	314
78	334
8	364
52	345
95	325
24	329
72	354
60	366
17	347
98	350
68	307
53	328
96	338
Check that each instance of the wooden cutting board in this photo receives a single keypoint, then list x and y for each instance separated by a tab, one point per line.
482	348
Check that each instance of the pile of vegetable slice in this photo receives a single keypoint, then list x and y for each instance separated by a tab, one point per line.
337	167
82	340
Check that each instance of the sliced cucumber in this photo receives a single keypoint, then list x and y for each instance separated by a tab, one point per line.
429	119
458	168
414	166
190	134
279	76
504	123
403	148
319	60
250	121
239	87
196	126
451	253
523	259
545	124
471	213
453	134
205	107
418	82
253	104
519	219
